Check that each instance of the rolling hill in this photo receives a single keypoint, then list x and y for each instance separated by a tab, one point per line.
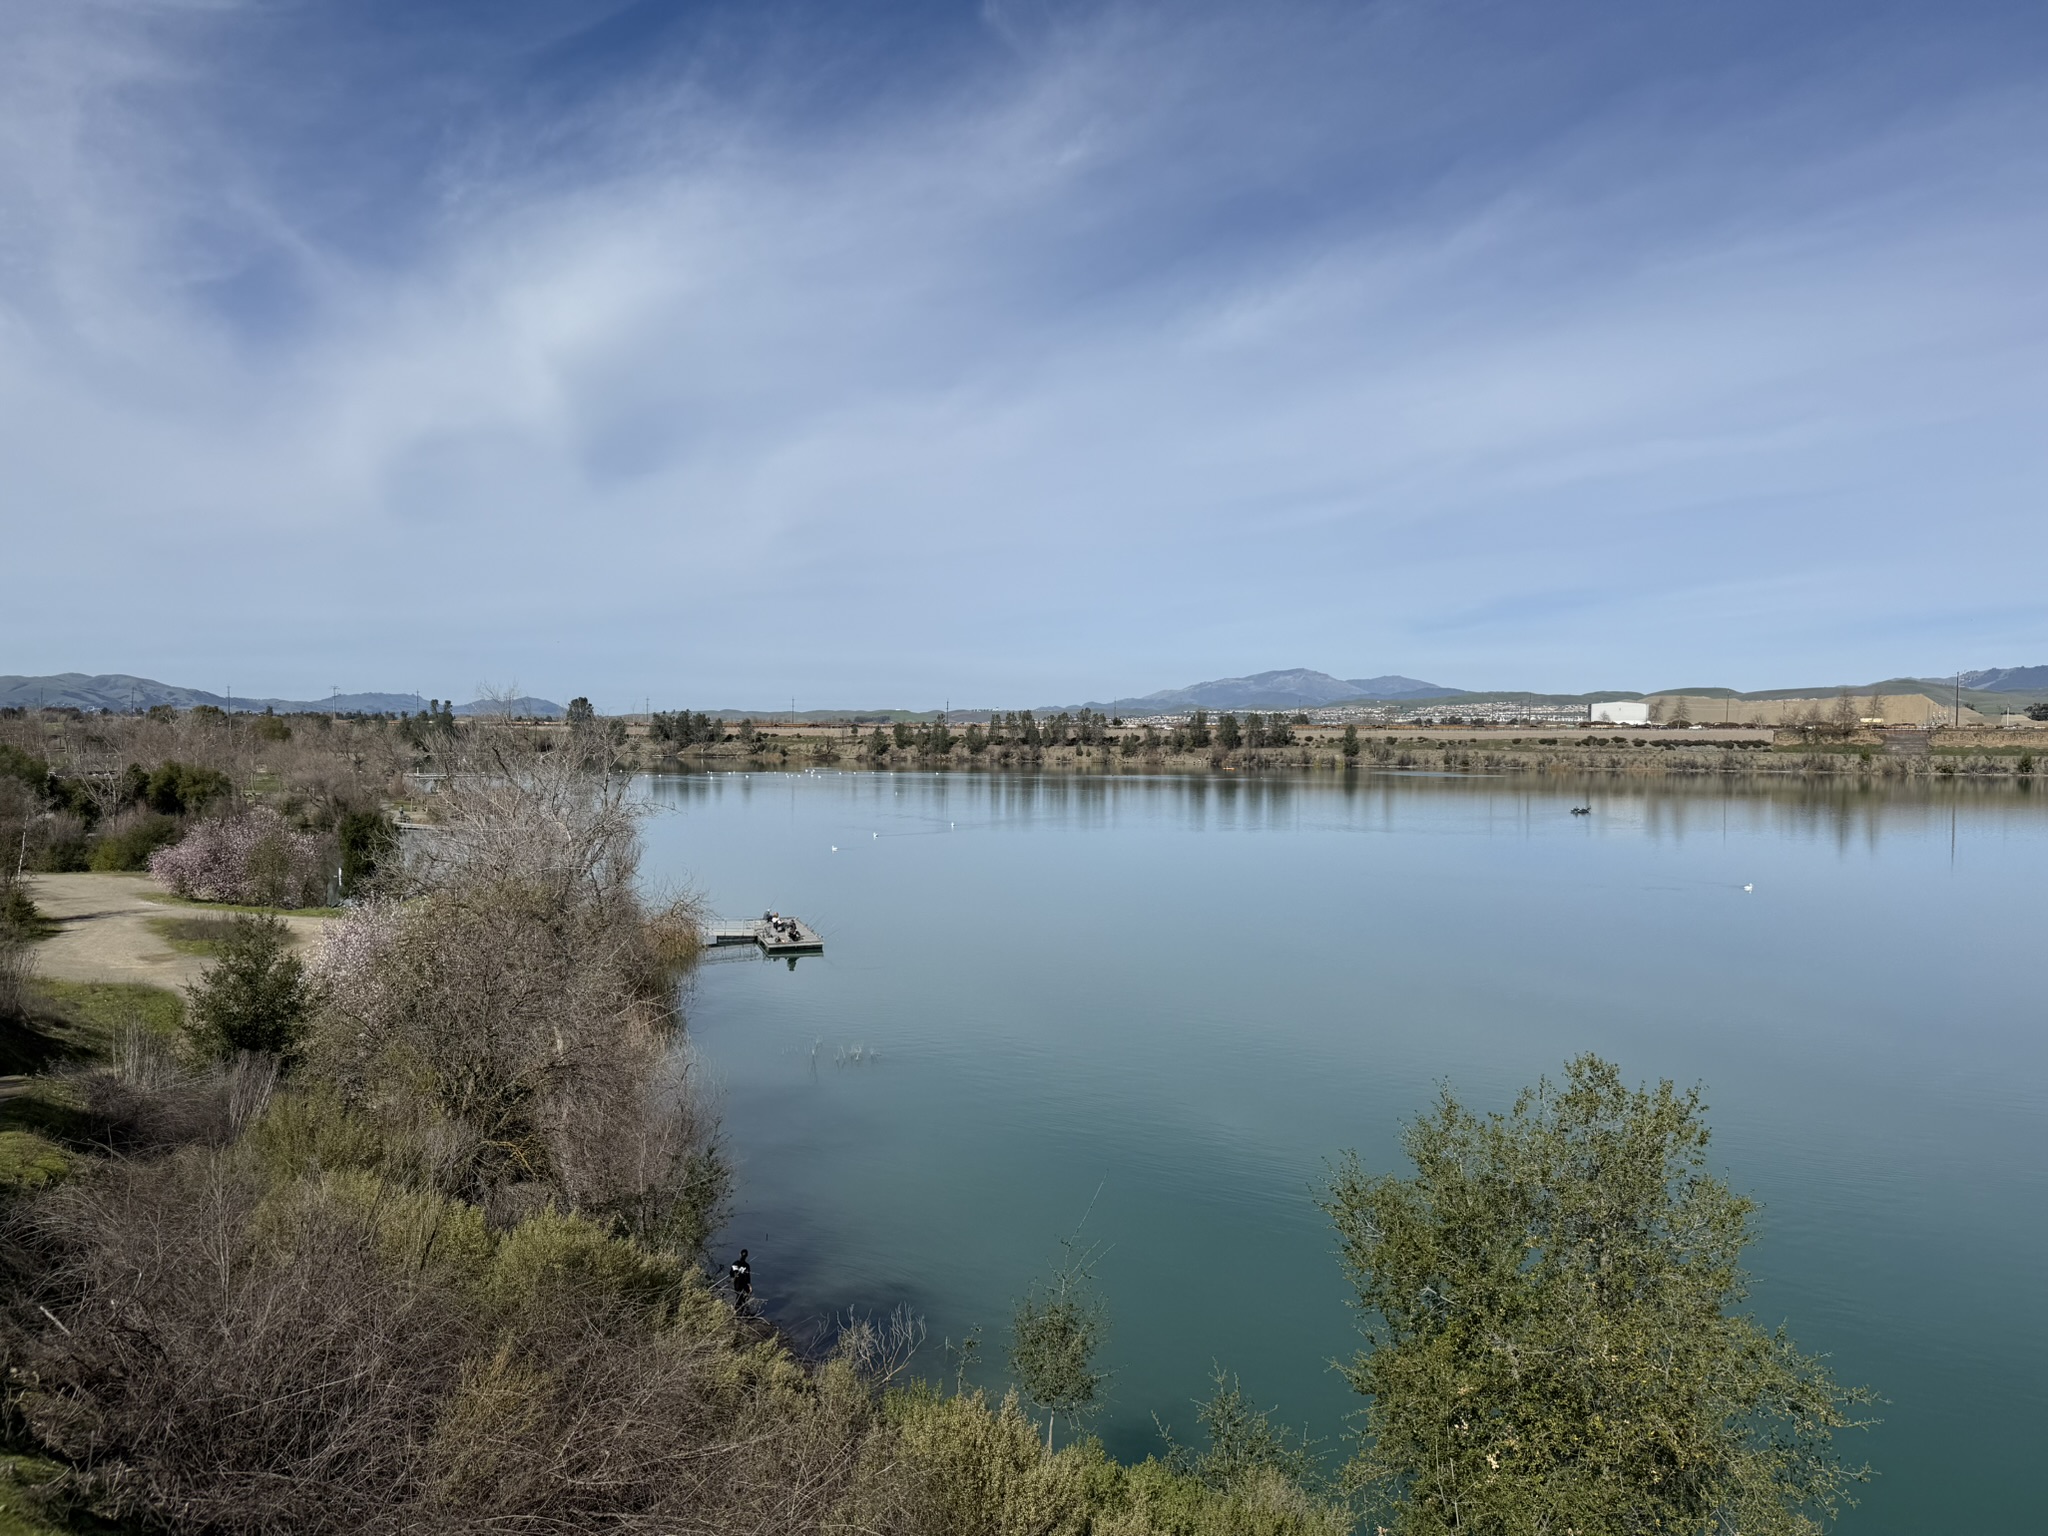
121	692
1293	688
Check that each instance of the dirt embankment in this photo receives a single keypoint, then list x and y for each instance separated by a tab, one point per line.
104	931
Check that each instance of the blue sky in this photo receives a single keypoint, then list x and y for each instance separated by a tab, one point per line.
1021	352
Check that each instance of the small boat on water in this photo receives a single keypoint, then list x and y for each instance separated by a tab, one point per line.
775	933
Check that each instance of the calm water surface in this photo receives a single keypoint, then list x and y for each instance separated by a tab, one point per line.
1189	994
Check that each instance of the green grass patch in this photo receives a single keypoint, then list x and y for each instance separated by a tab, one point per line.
44	1110
18	1513
192	935
29	1162
69	1021
22	1513
88	1013
172	899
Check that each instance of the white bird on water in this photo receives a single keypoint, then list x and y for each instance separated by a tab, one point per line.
1749	887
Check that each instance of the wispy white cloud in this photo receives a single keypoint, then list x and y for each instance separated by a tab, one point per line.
1129	347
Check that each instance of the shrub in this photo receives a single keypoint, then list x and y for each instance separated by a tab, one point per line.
522	1004
61	844
256	858
1553	1282
338	1354
255	997
31	772
131	838
174	788
946	1465
20	925
367	839
537	1039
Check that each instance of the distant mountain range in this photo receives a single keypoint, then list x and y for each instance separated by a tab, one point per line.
1295	688
120	692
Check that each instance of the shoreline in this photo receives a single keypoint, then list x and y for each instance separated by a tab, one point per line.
1691	756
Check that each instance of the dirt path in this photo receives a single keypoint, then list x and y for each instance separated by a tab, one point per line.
104	932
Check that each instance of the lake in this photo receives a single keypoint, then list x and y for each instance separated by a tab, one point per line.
1163	1004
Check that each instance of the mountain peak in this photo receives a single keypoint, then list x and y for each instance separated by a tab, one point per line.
1291	688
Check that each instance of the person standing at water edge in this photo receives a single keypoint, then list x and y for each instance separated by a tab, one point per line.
742	1281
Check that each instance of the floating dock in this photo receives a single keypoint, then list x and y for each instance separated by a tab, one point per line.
773	932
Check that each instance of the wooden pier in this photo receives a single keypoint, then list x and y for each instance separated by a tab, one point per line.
775	933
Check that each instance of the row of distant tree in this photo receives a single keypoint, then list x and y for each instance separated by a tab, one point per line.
1200	732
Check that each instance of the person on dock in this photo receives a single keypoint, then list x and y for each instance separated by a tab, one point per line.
742	1282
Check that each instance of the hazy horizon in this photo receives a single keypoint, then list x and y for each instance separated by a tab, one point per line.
352	698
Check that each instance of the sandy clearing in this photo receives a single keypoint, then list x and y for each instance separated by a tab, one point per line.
104	933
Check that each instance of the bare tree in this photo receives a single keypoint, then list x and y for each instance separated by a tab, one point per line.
525	996
1843	719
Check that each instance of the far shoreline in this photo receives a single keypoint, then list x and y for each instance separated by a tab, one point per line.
1989	756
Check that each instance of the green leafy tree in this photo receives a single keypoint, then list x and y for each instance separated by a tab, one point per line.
1055	1334
254	997
1198	729
31	772
1350	744
368	839
130	842
580	712
175	788
1229	734
1551	1309
1243	1443
682	728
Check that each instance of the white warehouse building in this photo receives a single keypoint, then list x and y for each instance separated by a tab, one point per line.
1618	712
